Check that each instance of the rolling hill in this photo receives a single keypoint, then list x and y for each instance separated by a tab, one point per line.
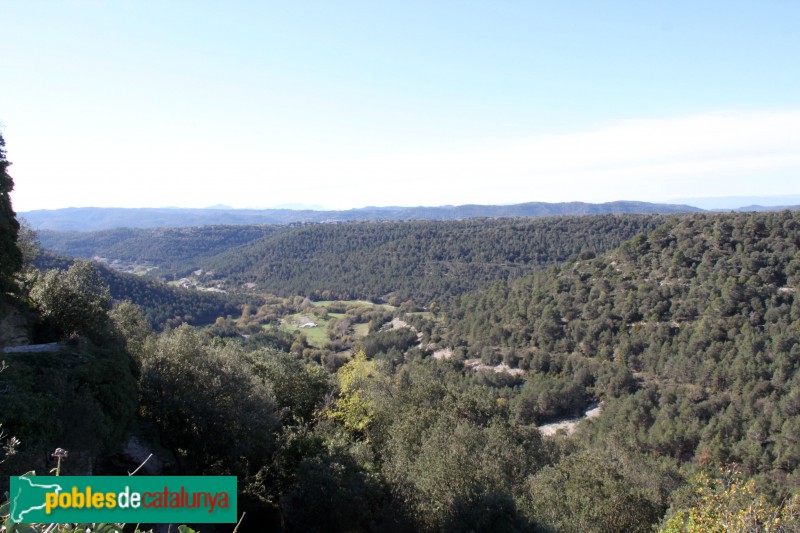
99	218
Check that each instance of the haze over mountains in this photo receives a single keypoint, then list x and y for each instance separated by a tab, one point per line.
742	203
98	218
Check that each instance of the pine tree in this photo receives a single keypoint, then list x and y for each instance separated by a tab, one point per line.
10	255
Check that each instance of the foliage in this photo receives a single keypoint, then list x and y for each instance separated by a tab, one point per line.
83	397
74	302
397	261
728	502
171	250
8	444
9	227
353	407
200	393
334	486
162	304
598	491
29	245
494	511
131	327
300	388
448	447
400	339
544	397
690	333
418	260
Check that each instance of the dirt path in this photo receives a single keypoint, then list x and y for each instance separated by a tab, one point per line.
397	323
593	411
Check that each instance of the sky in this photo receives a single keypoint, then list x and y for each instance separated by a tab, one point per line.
142	103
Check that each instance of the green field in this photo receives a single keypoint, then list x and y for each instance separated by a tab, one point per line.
317	336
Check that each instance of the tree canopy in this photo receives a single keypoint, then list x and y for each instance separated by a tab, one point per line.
10	255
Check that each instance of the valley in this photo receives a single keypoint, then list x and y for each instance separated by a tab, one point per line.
634	351
436	267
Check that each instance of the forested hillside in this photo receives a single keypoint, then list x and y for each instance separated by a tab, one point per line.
162	304
699	321
420	261
172	250
687	333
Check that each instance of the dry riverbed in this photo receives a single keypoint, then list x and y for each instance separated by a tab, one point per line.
569	425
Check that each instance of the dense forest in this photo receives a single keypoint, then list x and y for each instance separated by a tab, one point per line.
681	331
700	317
420	261
177	250
162	305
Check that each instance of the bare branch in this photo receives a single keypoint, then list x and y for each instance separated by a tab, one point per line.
141	465
239	522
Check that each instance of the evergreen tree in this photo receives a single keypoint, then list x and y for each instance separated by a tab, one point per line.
10	255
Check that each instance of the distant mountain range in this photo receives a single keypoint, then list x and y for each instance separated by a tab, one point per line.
762	208
736	203
99	218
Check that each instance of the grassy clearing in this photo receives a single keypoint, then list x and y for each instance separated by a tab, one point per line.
316	336
360	330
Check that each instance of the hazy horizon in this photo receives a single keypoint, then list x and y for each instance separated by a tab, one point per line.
707	203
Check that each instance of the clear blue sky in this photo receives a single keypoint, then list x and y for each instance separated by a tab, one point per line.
346	104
